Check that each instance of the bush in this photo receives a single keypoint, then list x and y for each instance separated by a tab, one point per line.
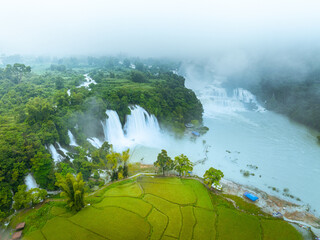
139	77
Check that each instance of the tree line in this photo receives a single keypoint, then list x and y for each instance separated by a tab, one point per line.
36	110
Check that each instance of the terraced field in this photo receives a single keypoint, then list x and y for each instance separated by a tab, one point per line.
160	208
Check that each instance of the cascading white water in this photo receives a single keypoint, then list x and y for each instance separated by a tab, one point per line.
65	151
95	142
72	139
113	131
30	182
69	92
55	155
216	100
140	128
140	125
245	96
88	81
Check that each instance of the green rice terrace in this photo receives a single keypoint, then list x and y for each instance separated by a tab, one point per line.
154	208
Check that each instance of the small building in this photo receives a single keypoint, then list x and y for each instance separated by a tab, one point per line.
20	226
250	196
17	235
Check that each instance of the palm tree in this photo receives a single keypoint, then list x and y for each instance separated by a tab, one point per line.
73	189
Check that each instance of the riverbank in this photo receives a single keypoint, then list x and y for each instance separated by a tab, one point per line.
269	204
291	212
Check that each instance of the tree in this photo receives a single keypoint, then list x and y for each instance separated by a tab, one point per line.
113	159
124	158
22	198
42	168
37	195
182	164
73	189
138	77
5	197
164	162
38	110
212	176
20	70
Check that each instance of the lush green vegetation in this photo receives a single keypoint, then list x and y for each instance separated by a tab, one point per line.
73	189
297	99
37	110
212	176
153	208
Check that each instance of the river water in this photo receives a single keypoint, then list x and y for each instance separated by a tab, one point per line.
281	154
243	136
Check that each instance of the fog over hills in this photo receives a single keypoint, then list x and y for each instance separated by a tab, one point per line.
157	28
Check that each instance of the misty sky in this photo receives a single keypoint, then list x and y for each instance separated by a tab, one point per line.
155	28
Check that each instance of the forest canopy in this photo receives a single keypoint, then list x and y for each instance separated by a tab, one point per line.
38	108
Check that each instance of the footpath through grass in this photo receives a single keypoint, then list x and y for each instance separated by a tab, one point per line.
156	208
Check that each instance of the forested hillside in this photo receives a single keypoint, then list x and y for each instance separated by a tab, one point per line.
300	100
37	110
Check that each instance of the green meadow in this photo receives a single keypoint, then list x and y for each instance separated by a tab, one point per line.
155	208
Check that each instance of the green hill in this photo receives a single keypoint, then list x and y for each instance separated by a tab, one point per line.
155	208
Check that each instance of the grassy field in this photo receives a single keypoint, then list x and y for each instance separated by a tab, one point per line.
155	208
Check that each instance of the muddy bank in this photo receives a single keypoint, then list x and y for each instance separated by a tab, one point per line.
270	204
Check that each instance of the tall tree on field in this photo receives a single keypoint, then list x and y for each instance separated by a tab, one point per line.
164	162
212	176
182	164
73	189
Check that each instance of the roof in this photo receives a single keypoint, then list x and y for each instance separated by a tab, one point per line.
195	133
251	196
17	235
20	225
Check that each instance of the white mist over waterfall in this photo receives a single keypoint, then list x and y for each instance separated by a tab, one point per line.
216	101
30	182
140	125
141	128
113	131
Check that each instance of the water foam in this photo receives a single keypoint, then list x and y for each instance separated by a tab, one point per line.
72	139
140	128
30	182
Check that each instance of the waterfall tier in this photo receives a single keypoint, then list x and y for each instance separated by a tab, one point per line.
30	182
88	81
55	155
140	128
95	142
216	100
72	139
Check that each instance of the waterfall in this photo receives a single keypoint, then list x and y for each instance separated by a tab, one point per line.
216	100
72	139
55	155
245	96
113	131
30	182
140	125
65	151
95	142
69	92
140	128
88	81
